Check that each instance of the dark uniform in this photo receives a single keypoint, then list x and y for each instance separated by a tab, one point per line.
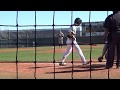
112	24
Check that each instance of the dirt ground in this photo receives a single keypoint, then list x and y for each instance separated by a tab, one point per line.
54	71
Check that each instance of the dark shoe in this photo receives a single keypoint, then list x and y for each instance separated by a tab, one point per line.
107	67
62	64
117	66
100	59
86	63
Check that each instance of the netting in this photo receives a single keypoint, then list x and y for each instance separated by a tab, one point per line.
36	38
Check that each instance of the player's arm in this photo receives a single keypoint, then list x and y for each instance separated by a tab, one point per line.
105	34
71	35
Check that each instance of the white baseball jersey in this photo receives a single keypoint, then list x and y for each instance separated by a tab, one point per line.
72	29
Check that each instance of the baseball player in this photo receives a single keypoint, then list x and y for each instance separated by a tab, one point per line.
33	43
71	40
60	39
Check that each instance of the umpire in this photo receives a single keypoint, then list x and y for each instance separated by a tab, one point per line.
112	26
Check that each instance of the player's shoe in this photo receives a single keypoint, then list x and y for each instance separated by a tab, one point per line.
86	63
62	64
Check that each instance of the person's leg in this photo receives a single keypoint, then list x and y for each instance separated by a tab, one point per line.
111	51
61	45
118	53
104	50
68	51
82	57
100	58
110	56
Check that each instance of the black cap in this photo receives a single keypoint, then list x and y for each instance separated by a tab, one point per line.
115	12
78	21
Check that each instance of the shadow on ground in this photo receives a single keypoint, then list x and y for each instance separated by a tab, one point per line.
86	68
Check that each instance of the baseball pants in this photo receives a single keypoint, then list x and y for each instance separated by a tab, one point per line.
76	47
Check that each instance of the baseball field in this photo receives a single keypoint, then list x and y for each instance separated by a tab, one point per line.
21	64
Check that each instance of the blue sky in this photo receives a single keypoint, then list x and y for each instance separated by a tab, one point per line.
46	18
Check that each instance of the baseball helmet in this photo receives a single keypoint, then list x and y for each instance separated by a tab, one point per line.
78	21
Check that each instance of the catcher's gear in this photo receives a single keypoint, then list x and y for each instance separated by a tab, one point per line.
100	59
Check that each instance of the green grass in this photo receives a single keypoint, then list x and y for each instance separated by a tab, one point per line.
43	55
